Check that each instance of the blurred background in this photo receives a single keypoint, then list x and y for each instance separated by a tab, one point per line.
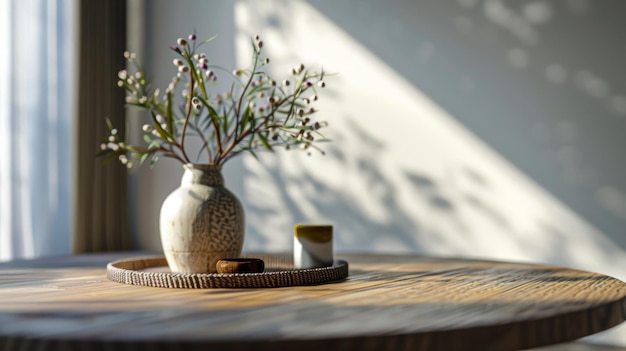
478	128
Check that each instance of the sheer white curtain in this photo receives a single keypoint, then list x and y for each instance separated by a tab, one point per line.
36	93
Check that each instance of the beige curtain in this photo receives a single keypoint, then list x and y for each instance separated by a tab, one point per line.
101	200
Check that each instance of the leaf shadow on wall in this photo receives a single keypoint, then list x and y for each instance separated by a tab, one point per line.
365	205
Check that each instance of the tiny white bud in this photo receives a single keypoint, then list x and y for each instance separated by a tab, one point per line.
138	75
160	119
195	101
300	112
113	131
103	146
122	74
286	82
177	62
147	128
181	42
126	54
267	60
314	98
120	83
321	84
183	69
294	71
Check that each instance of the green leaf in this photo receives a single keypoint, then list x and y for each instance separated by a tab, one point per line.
254	154
207	40
169	117
109	124
143	158
265	142
164	134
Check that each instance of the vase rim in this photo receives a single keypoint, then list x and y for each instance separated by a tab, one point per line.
202	166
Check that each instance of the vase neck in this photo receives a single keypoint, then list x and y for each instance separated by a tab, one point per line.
204	174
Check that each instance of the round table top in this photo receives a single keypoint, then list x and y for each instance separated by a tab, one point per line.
387	302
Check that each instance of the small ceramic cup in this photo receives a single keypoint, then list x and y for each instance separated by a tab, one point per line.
312	245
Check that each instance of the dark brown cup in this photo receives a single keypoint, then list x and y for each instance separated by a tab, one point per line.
240	265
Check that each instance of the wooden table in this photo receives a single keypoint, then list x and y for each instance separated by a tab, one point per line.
388	302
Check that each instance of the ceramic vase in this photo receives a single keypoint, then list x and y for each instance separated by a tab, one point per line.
201	221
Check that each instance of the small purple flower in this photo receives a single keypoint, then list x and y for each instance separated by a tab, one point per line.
192	37
202	65
175	48
308	84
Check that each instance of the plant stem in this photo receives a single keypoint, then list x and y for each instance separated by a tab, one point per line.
187	116
238	137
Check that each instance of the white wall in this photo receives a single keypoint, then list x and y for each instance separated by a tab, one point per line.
476	128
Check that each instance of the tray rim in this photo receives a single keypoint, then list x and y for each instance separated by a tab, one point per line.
272	279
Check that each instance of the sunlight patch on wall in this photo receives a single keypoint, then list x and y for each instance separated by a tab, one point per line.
401	175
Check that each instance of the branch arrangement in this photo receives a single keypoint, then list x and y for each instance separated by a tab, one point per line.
257	113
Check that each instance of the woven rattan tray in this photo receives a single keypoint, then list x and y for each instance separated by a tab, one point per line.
279	272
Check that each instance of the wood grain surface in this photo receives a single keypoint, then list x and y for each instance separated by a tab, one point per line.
387	303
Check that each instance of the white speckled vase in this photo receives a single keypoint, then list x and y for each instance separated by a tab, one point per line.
201	221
